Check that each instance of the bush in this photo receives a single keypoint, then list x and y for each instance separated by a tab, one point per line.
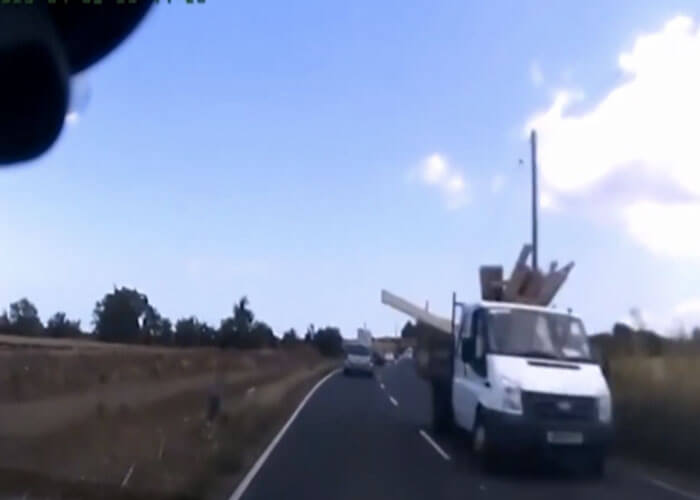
329	342
118	316
61	327
290	338
24	319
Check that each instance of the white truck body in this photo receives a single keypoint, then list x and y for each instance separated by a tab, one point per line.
515	395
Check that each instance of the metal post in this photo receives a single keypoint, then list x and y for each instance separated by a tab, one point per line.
533	146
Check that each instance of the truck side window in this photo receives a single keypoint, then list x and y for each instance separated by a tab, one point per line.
479	337
466	338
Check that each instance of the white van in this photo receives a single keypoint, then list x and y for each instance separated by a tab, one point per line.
358	359
524	380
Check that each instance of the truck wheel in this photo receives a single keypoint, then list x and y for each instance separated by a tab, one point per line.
442	410
597	466
481	447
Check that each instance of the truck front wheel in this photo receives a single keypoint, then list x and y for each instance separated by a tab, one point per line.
597	466
481	446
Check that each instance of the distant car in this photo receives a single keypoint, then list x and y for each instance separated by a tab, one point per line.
358	359
377	358
408	353
389	357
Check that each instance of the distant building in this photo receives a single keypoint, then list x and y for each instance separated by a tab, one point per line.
364	336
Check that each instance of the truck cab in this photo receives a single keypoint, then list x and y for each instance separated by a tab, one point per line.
524	380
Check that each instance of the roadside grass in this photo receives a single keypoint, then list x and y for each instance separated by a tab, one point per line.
171	447
657	409
246	428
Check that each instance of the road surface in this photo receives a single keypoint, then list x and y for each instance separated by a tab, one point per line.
362	438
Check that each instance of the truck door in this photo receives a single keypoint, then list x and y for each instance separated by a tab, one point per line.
470	377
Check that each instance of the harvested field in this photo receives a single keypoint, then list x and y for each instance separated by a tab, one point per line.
86	420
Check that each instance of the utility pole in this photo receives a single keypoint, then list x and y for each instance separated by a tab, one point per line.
533	148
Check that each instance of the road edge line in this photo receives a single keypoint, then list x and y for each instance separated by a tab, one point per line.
245	482
670	488
432	443
393	401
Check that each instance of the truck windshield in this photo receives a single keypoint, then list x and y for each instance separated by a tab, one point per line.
537	334
357	350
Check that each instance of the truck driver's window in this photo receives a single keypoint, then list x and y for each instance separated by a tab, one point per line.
478	360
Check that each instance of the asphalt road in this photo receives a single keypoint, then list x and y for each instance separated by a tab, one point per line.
361	439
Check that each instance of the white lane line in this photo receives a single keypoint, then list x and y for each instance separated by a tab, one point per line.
240	490
668	487
432	443
125	481
382	386
393	401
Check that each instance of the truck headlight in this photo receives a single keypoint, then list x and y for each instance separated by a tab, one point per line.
605	408
512	396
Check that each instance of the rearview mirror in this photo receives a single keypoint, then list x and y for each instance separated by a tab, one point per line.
41	46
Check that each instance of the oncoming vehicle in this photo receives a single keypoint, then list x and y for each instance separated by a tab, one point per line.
524	380
358	359
519	379
389	357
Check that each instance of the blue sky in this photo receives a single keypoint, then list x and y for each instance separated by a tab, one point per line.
283	152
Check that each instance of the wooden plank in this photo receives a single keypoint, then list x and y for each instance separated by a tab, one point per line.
491	278
416	312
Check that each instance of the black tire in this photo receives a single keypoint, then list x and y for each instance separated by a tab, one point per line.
597	467
442	408
481	448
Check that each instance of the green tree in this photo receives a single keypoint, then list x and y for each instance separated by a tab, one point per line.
187	332
262	335
59	326
243	317
289	338
24	318
208	334
121	314
163	332
329	341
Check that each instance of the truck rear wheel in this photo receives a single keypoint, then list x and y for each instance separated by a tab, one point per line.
442	408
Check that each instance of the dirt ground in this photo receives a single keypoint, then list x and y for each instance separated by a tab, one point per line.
142	433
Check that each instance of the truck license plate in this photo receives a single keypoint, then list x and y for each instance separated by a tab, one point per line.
563	437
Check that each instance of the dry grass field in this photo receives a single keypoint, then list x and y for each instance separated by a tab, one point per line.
78	417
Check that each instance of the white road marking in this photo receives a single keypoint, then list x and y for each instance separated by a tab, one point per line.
125	481
382	386
672	489
240	490
432	443
250	391
393	401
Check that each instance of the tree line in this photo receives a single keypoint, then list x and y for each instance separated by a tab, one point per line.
125	315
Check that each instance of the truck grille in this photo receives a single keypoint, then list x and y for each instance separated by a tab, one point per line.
563	408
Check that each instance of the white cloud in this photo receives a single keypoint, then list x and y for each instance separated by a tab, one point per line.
687	313
498	182
635	152
435	171
536	75
548	201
